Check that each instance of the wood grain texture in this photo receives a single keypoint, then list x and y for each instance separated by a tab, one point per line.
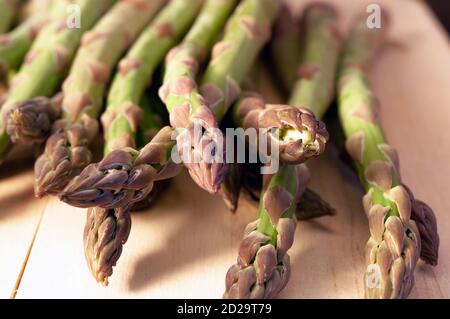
183	247
19	216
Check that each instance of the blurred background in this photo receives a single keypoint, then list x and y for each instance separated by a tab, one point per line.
442	10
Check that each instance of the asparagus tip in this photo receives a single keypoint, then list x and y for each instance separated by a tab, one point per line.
206	172
105	233
31	121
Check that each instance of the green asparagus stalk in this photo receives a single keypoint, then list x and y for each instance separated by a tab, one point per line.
246	33
144	57
189	113
67	150
122	114
42	72
265	277
310	205
8	10
314	87
15	44
272	234
394	246
286	43
33	7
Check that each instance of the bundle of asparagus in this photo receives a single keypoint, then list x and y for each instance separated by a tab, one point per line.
139	154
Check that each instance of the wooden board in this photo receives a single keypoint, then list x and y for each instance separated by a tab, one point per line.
183	247
19	217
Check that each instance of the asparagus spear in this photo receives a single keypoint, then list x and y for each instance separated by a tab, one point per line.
146	54
135	73
394	246
44	69
7	12
108	224
265	277
310	205
15	44
320	54
281	195
285	43
187	108
67	150
107	230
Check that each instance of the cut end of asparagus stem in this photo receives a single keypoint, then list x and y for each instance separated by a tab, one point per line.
114	182
31	121
105	233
